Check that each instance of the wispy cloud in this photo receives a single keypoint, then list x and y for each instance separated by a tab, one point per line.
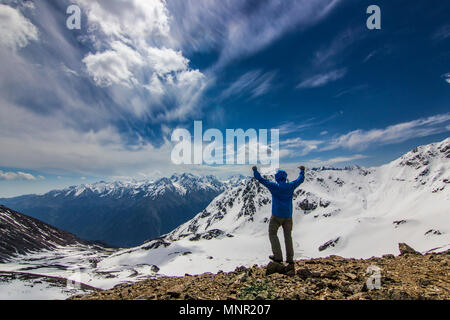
332	53
332	161
292	127
352	90
322	79
362	139
300	147
379	52
254	83
346	158
326	65
442	33
238	28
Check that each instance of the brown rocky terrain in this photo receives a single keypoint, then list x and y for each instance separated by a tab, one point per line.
410	275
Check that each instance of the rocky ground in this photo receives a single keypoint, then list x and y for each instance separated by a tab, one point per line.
410	275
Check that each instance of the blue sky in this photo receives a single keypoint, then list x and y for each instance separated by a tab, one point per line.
101	103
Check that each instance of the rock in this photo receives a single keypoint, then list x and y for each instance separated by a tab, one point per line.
355	288
388	256
351	275
175	291
330	243
154	268
241	278
240	269
398	222
424	282
398	294
304	273
332	274
357	296
405	249
290	270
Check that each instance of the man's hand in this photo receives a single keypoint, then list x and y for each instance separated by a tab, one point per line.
254	168
302	167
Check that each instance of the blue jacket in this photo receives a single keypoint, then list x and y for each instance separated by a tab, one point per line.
281	191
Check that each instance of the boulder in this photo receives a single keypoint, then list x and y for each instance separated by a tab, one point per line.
405	249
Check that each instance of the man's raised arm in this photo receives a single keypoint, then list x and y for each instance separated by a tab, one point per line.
300	179
268	184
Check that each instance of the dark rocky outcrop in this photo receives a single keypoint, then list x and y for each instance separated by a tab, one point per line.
20	234
405	249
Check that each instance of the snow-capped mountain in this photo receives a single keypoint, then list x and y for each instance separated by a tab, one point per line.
122	214
352	212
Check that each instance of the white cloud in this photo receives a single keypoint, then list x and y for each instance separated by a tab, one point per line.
302	147
446	77
166	60
114	66
129	21
18	176
322	79
38	142
362	139
16	30
345	159
140	55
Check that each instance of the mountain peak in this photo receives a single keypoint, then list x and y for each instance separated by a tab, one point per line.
424	155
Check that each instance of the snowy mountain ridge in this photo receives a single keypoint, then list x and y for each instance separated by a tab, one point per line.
179	183
122	214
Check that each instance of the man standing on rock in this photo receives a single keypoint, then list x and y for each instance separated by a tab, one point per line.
282	192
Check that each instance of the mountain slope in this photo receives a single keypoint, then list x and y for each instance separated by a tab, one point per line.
119	213
20	234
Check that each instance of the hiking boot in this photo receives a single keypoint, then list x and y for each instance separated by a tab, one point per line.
272	257
291	265
290	269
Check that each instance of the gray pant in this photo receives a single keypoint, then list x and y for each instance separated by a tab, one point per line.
274	224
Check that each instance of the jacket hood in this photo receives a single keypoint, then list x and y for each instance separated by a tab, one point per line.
281	176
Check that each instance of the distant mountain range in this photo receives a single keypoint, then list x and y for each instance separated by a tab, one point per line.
122	214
